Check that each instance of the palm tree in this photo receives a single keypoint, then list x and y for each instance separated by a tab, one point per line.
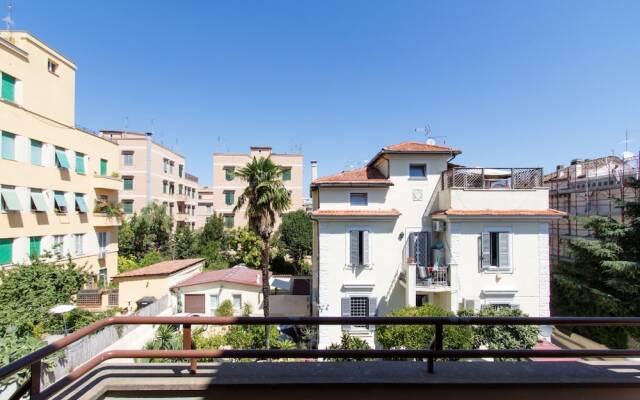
265	198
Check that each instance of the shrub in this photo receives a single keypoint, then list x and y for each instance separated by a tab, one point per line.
225	309
499	337
348	342
420	336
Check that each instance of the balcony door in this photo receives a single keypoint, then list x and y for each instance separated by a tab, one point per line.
419	247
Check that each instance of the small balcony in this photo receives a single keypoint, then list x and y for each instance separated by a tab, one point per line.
107	182
425	279
102	219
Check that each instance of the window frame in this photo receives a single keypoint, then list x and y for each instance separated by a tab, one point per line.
233	298
78	238
126	179
232	198
423	166
287	174
372	305
500	230
125	203
127	158
366	199
364	261
39	146
6	243
226	217
229	173
80	157
212	310
4	89
12	137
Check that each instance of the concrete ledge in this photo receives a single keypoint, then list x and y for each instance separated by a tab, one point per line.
378	379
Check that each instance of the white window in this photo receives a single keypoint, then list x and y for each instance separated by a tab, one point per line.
102	242
127	158
358	199
358	247
79	243
237	301
495	245
214	302
358	305
58	245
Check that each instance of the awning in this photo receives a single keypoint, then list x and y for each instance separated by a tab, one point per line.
60	201
39	201
10	199
82	205
61	158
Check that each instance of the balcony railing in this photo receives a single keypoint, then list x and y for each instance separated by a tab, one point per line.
432	277
432	350
492	178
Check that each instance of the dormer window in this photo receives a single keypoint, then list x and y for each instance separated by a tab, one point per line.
418	171
358	199
52	67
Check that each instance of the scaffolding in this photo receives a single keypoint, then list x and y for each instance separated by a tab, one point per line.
585	188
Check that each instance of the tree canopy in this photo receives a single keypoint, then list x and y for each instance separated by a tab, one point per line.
294	236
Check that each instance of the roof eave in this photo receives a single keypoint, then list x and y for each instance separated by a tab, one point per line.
452	152
351	184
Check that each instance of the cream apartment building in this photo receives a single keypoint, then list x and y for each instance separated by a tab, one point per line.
54	177
152	172
227	187
205	206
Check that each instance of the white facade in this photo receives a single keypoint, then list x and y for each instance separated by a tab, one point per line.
385	276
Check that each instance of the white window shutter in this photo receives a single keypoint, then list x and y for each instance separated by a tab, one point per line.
504	250
485	247
373	305
365	247
354	248
346	311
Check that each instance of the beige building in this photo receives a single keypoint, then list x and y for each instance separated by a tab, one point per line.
227	187
153	173
205	206
54	177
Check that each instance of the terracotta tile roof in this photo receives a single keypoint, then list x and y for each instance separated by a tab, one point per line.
365	175
356	213
418	147
498	213
162	268
238	274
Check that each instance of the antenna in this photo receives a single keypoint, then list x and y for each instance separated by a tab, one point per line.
427	132
8	19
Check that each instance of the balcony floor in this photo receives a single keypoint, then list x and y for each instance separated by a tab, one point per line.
373	380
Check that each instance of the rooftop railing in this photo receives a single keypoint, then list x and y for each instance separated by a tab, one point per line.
431	352
492	178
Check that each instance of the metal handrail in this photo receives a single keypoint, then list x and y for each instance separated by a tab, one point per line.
433	350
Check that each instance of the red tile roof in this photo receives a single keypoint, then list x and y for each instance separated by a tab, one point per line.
356	213
238	274
162	268
418	147
364	176
505	213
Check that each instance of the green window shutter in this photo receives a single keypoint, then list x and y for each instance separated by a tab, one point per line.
228	221
10	199
34	246
228	198
8	146
286	174
8	87
127	207
36	152
229	173
80	163
128	183
61	158
39	203
103	167
6	251
81	203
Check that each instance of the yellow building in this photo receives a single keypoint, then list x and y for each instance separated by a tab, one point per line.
54	177
205	205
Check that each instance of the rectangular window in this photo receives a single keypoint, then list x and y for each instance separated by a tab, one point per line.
418	170
58	245
214	302
81	204
237	301
127	182
61	158
286	174
6	251
36	152
229	173
358	306
102	242
52	66
38	202
8	146
8	87
358	199
127	206
102	277
103	167
79	243
209	209
165	165
80	163
127	158
59	202
495	248
228	221
180	170
9	201
359	247
34	246
228	197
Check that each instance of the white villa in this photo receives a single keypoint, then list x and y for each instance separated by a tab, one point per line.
411	228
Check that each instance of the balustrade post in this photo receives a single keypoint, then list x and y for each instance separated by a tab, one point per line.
187	344
36	370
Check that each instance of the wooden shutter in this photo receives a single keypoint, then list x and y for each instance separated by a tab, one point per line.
373	308
365	247
6	253
103	167
8	87
411	246
485	248
354	248
503	248
194	303
346	311
422	248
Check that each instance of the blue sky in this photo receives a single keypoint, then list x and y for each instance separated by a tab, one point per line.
511	83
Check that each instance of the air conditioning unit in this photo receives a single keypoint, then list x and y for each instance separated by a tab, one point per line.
437	226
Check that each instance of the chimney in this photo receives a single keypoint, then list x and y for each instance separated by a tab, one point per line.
314	170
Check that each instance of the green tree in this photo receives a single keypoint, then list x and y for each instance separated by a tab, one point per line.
126	245
225	309
152	257
348	342
245	247
502	337
294	236
150	230
420	336
127	263
185	243
213	230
